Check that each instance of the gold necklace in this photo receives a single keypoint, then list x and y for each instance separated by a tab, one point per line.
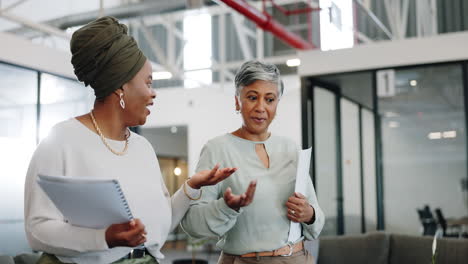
124	151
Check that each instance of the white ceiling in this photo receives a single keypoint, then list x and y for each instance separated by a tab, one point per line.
44	10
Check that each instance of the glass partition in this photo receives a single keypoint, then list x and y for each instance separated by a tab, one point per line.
369	184
326	157
351	160
423	143
18	98
22	123
62	99
415	157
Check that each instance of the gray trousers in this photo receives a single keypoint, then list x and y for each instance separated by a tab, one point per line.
301	257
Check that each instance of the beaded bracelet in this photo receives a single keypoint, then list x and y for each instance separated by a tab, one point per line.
191	198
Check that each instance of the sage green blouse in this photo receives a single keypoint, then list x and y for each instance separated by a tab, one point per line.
263	225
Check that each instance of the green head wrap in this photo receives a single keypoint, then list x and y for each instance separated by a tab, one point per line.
104	56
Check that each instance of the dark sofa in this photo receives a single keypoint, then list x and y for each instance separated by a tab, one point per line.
383	248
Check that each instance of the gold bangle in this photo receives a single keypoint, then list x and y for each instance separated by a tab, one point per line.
191	198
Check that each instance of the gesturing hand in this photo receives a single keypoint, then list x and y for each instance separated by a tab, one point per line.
299	209
235	202
210	177
130	234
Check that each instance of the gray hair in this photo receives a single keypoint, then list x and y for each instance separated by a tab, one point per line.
254	70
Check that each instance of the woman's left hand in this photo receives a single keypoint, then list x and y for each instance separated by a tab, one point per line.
299	209
210	177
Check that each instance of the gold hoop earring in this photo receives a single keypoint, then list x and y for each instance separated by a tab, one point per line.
122	102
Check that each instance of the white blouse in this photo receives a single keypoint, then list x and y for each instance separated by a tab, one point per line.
72	150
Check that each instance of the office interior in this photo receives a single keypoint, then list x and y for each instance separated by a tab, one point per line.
378	89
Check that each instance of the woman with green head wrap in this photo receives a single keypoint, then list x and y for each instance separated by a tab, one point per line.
99	144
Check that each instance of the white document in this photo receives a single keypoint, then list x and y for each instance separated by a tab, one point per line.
87	202
303	165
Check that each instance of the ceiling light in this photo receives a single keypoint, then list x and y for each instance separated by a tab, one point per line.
293	62
435	135
162	75
413	83
449	134
393	124
391	114
177	171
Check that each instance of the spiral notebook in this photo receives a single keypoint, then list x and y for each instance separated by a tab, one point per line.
87	202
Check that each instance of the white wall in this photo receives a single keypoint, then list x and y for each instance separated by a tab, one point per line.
209	112
22	52
167	145
44	10
384	54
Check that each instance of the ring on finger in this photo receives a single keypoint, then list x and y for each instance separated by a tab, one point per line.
293	212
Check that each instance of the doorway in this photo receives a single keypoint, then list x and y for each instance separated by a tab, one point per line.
342	136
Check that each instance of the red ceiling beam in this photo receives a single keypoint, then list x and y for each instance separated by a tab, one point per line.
267	23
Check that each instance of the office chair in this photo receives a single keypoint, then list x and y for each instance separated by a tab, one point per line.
447	231
428	221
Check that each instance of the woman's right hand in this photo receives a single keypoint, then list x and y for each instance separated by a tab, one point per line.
130	234
235	202
210	177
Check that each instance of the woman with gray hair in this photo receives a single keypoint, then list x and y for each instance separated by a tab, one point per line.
255	230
